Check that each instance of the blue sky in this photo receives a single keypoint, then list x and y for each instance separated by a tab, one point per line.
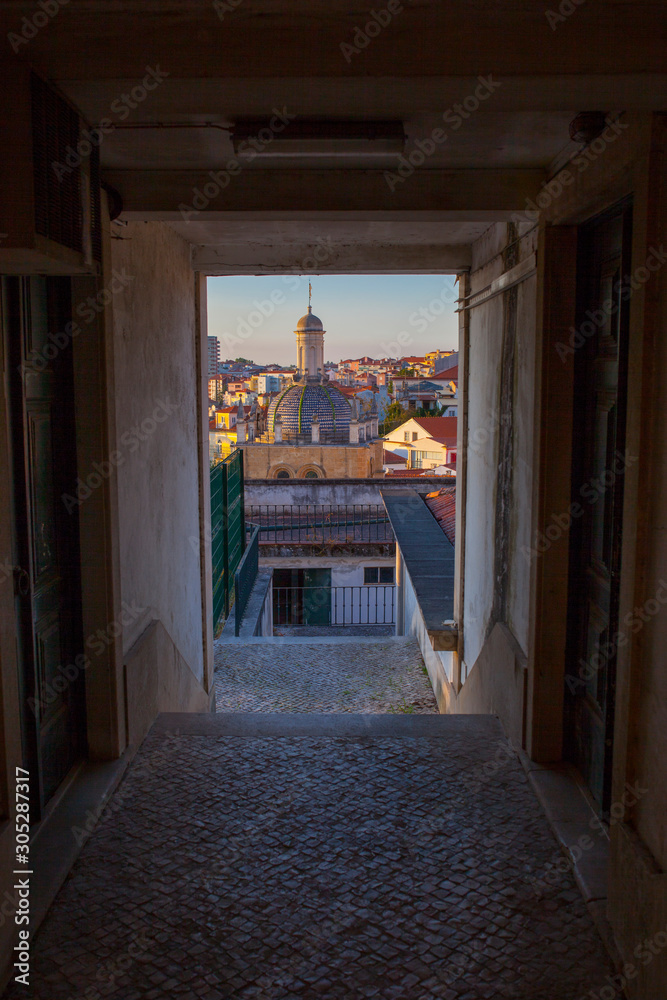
377	315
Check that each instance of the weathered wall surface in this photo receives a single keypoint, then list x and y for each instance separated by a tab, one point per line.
523	443
326	491
440	665
499	490
261	461
156	384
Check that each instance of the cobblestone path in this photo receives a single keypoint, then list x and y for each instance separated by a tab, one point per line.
385	675
252	857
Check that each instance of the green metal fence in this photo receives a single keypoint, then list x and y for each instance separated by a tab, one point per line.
227	529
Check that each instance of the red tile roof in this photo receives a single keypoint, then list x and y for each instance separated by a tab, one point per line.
391	458
442	427
442	504
413	473
450	375
450	442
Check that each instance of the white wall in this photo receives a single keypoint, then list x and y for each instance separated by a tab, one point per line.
486	330
484	415
524	429
439	664
156	375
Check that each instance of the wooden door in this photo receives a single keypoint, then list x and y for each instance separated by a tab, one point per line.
47	587
599	464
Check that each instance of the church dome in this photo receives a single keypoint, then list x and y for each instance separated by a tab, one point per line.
309	322
297	405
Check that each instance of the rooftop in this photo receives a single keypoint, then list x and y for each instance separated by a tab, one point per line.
442	504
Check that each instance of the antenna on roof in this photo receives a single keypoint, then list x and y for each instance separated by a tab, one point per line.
310	295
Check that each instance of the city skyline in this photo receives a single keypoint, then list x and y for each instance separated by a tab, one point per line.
375	315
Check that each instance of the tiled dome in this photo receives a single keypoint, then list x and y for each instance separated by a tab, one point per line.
296	407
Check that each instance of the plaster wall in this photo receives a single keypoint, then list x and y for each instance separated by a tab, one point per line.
490	407
439	664
523	431
345	572
485	351
157	375
326	491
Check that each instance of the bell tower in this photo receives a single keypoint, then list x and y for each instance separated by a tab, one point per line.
310	346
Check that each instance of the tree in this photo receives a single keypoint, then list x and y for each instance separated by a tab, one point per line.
406	373
244	361
390	387
394	416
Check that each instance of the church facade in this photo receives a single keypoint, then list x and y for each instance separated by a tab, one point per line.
312	430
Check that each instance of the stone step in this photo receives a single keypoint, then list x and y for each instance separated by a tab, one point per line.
257	724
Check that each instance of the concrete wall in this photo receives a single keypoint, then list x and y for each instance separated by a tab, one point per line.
501	399
486	330
326	491
439	664
346	571
523	444
156	369
495	686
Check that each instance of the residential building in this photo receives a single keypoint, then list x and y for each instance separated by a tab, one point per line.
426	442
213	356
268	383
216	387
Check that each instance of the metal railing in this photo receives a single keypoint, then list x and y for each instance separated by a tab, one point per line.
227	529
367	605
245	576
321	522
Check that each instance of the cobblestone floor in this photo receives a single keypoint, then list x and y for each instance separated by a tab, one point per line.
384	676
396	860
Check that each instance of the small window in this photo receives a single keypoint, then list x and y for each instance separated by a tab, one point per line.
415	435
378	574
406	435
282	474
311	475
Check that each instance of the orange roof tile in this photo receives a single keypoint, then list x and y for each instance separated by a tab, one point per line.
442	504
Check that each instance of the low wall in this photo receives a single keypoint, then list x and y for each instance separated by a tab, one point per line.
158	679
496	685
439	664
258	615
335	491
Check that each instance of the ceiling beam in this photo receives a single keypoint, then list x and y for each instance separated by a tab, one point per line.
91	38
189	195
370	97
329	257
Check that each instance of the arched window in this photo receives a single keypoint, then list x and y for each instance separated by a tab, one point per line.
283	474
311	475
